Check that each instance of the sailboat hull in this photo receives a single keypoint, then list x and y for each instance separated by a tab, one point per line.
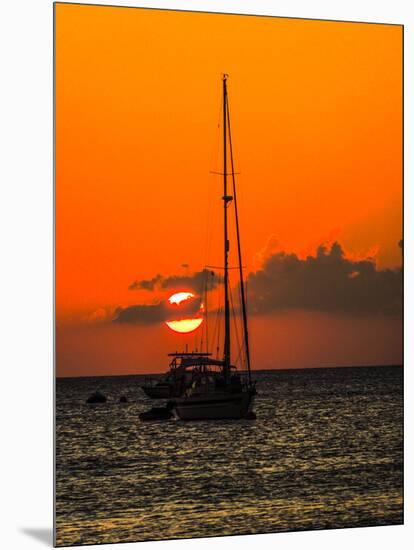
215	406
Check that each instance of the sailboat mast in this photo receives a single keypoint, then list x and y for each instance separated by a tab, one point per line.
226	200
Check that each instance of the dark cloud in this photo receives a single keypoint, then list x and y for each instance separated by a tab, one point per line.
156	313
148	284
325	282
140	314
195	282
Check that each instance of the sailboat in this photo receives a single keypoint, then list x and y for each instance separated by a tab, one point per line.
217	389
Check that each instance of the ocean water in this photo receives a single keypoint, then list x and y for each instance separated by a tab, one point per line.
325	451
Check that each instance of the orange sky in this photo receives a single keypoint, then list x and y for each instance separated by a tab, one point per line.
316	118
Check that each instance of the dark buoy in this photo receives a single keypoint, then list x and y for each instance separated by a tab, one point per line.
123	399
250	416
96	397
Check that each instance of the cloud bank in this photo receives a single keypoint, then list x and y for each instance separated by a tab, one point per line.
159	312
327	282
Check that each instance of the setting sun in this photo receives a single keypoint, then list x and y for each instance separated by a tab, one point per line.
187	324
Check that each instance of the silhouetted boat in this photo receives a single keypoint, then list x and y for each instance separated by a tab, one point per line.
217	390
200	387
178	378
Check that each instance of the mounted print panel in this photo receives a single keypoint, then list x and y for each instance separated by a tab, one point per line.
228	274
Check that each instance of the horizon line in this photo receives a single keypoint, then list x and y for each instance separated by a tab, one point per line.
392	365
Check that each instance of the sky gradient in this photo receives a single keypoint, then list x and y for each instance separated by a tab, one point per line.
316	111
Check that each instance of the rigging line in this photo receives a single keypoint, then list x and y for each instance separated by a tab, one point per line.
236	329
236	322
213	337
239	345
208	222
204	317
202	327
216	326
219	267
215	321
195	341
244	311
222	173
206	275
218	330
213	163
218	132
239	359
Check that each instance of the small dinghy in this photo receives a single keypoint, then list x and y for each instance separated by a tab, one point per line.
156	413
96	397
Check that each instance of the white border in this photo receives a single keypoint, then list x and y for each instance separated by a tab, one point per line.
27	276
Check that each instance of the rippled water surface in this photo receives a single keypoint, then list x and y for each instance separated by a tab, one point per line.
324	452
